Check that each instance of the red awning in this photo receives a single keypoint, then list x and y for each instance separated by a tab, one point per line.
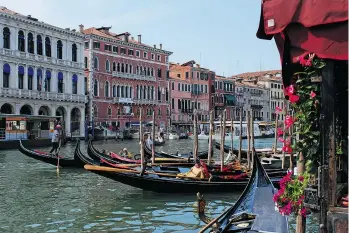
312	26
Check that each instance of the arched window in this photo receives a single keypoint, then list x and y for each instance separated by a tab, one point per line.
159	94
6	75
47	47
95	88
20	77
74	50
145	93
109	112
152	72
114	91
21	41
126	68
130	69
59	49
140	92
107	65
7	38
106	89
159	73
179	104
148	71
122	92
39	45
131	94
159	112
126	92
95	63
148	93
114	66
166	94
86	62
30	43
137	89
122	68
85	86
172	103
118	91
47	81
75	84
30	78
152	93
39	79
118	67
60	82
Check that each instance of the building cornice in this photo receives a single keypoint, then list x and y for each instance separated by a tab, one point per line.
39	24
136	46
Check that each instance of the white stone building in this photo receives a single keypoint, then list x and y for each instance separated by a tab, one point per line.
41	70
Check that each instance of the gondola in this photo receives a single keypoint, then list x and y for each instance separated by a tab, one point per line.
253	212
80	158
148	152
48	158
243	152
168	183
158	143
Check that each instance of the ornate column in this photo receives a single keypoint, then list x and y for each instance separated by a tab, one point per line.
14	76
1	73
35	81
25	78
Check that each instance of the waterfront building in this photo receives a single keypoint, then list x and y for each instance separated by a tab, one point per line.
254	96
42	70
223	97
125	74
272	80
197	95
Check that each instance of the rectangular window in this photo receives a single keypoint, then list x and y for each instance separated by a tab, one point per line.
107	47
138	54
115	49
220	85
145	55
123	51
30	82
166	59
205	88
130	52
96	45
186	74
86	45
179	86
178	75
159	57
152	56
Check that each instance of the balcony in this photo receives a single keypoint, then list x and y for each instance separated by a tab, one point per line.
133	76
120	100
41	95
256	106
196	92
40	58
187	110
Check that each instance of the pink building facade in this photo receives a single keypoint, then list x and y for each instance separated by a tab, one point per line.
125	75
191	88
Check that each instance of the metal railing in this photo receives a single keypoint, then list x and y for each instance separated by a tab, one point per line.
32	94
133	76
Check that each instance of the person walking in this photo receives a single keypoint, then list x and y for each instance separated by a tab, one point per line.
55	139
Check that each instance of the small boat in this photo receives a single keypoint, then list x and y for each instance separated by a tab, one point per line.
173	136
48	158
253	212
201	136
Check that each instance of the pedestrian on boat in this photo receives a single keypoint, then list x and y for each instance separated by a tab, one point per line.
123	152
148	141
56	139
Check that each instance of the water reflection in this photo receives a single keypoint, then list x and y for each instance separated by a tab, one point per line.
35	199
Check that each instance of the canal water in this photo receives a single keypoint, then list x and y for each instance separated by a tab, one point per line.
34	199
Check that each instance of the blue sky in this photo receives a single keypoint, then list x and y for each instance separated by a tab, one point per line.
220	35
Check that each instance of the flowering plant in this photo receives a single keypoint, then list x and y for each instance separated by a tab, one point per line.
289	198
304	99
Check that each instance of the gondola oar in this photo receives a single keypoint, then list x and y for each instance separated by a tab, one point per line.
57	154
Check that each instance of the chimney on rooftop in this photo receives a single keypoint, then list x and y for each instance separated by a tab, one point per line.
132	38
140	38
154	46
81	28
160	46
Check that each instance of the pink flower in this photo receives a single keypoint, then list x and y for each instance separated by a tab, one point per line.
289	121
287	149
312	94
301	178
281	139
280	132
293	98
302	61
289	90
308	63
278	110
304	212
